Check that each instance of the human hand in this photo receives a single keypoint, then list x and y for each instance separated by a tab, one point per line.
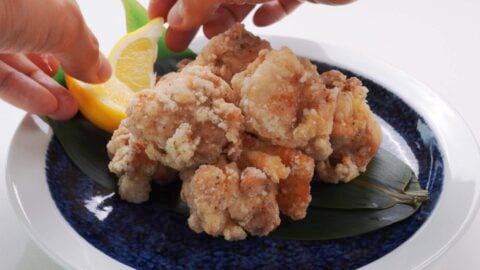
186	16
36	37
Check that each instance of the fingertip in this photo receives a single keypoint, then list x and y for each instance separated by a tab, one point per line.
178	41
272	12
175	16
188	15
104	71
67	106
266	15
83	59
90	71
220	21
159	8
334	2
153	11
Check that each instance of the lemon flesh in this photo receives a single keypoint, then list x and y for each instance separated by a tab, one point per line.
130	67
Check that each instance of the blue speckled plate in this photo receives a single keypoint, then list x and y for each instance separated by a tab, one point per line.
111	233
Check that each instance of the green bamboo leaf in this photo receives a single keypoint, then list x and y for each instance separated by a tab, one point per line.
414	189
349	196
167	197
327	224
377	188
137	16
85	144
165	66
60	77
396	177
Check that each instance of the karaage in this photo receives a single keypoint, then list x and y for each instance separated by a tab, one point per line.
186	121
246	126
285	101
356	135
226	201
231	52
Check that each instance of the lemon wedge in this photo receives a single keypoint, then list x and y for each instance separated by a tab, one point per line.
132	60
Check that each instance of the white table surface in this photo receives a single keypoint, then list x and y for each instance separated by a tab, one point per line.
436	41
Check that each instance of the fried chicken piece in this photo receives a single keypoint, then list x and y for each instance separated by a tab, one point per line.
187	120
285	101
224	202
271	165
356	135
294	189
233	182
134	168
294	193
231	52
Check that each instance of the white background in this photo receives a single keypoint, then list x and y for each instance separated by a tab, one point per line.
436	41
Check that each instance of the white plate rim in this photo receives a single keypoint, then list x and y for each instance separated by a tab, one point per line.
446	123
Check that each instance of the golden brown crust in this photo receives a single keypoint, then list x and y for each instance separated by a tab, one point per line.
294	190
133	166
187	120
231	52
223	201
246	148
285	101
356	135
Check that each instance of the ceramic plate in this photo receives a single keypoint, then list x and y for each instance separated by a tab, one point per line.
83	226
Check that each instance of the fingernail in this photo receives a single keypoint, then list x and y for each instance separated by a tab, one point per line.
175	16
104	69
46	62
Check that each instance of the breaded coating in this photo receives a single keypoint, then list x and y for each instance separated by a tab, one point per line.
246	127
294	190
230	53
285	101
134	168
223	201
356	135
271	165
187	120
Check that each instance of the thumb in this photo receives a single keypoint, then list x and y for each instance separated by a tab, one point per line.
83	60
187	15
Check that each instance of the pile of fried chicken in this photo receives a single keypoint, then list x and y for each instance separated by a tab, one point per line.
245	126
